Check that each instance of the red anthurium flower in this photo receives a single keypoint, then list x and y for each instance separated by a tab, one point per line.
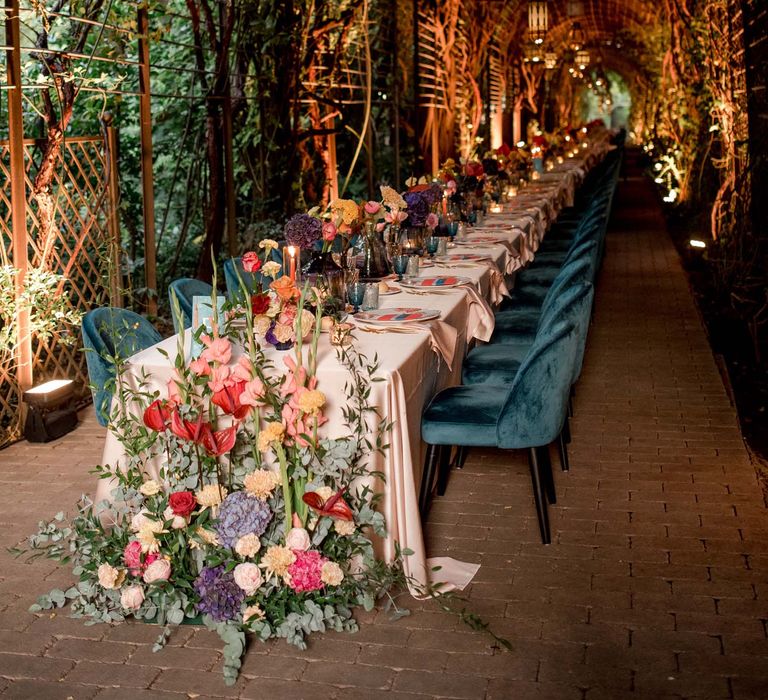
221	441
228	400
334	507
158	414
187	429
259	304
251	262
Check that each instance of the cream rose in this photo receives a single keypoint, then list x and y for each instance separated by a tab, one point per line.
150	488
248	577
110	577
298	539
158	570
248	545
331	574
132	597
177	522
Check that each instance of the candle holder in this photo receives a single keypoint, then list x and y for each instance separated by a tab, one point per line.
292	263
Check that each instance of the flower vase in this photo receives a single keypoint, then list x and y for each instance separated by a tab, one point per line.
323	272
375	263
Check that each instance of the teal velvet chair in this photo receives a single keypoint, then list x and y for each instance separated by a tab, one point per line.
111	334
185	289
528	415
234	267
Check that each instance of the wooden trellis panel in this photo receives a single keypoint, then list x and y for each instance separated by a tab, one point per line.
433	88
84	252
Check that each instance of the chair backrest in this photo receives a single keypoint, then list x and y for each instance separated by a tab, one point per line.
534	409
578	270
185	289
108	334
233	273
570	305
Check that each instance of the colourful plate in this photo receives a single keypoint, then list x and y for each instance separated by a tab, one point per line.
457	257
438	282
398	315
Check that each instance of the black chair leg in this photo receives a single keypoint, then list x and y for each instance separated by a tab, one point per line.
443	469
545	469
562	448
570	405
567	431
461	457
538	495
430	465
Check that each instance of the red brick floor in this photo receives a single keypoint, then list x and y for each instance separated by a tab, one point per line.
656	585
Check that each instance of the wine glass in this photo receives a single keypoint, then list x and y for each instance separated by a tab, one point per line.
400	263
355	294
432	243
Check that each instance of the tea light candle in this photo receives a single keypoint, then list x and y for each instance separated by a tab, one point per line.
496	209
512	192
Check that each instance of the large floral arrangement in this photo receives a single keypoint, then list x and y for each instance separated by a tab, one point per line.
232	505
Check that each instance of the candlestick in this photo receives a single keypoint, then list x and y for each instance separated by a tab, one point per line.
292	257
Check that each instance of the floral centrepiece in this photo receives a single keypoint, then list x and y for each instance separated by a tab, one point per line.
233	505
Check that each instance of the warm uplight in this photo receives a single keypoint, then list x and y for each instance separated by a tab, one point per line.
696	243
520	144
50	387
50	410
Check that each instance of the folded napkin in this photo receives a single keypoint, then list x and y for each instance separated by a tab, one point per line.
480	321
442	338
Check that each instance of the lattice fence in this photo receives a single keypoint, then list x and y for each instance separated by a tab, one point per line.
84	252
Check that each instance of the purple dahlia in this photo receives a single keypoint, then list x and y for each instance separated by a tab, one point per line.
241	514
303	230
220	597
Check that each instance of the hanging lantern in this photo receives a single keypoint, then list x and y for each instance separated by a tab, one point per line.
538	20
532	53
550	60
577	38
582	59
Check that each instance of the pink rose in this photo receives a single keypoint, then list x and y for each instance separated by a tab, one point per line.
216	350
158	570
432	220
132	557
177	521
372	207
329	231
251	262
248	577
298	539
132	597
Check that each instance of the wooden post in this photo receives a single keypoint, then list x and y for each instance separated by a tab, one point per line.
229	172
332	164
434	141
24	375
147	176
517	123
113	212
418	166
369	158
395	99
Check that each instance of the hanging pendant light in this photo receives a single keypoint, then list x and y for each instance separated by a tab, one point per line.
577	38
532	53
538	20
582	59
550	60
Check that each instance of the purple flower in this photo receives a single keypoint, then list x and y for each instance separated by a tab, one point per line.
303	230
433	194
418	208
220	597
241	514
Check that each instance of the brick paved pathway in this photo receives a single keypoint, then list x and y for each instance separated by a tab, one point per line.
656	586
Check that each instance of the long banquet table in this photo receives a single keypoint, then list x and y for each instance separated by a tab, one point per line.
412	372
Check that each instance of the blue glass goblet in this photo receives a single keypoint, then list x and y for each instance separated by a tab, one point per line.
400	263
453	228
432	243
356	294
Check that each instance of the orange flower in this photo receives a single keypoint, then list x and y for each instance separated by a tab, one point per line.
285	288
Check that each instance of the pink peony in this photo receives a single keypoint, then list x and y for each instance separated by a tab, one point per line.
297	539
132	597
248	577
372	207
216	350
329	231
132	557
432	220
305	574
159	570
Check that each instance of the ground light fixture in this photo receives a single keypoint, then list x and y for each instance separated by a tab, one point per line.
50	410
696	243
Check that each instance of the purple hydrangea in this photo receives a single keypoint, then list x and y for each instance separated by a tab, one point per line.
433	194
303	230
418	208
220	597
240	514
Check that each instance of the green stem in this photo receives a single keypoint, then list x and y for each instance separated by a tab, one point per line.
286	488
